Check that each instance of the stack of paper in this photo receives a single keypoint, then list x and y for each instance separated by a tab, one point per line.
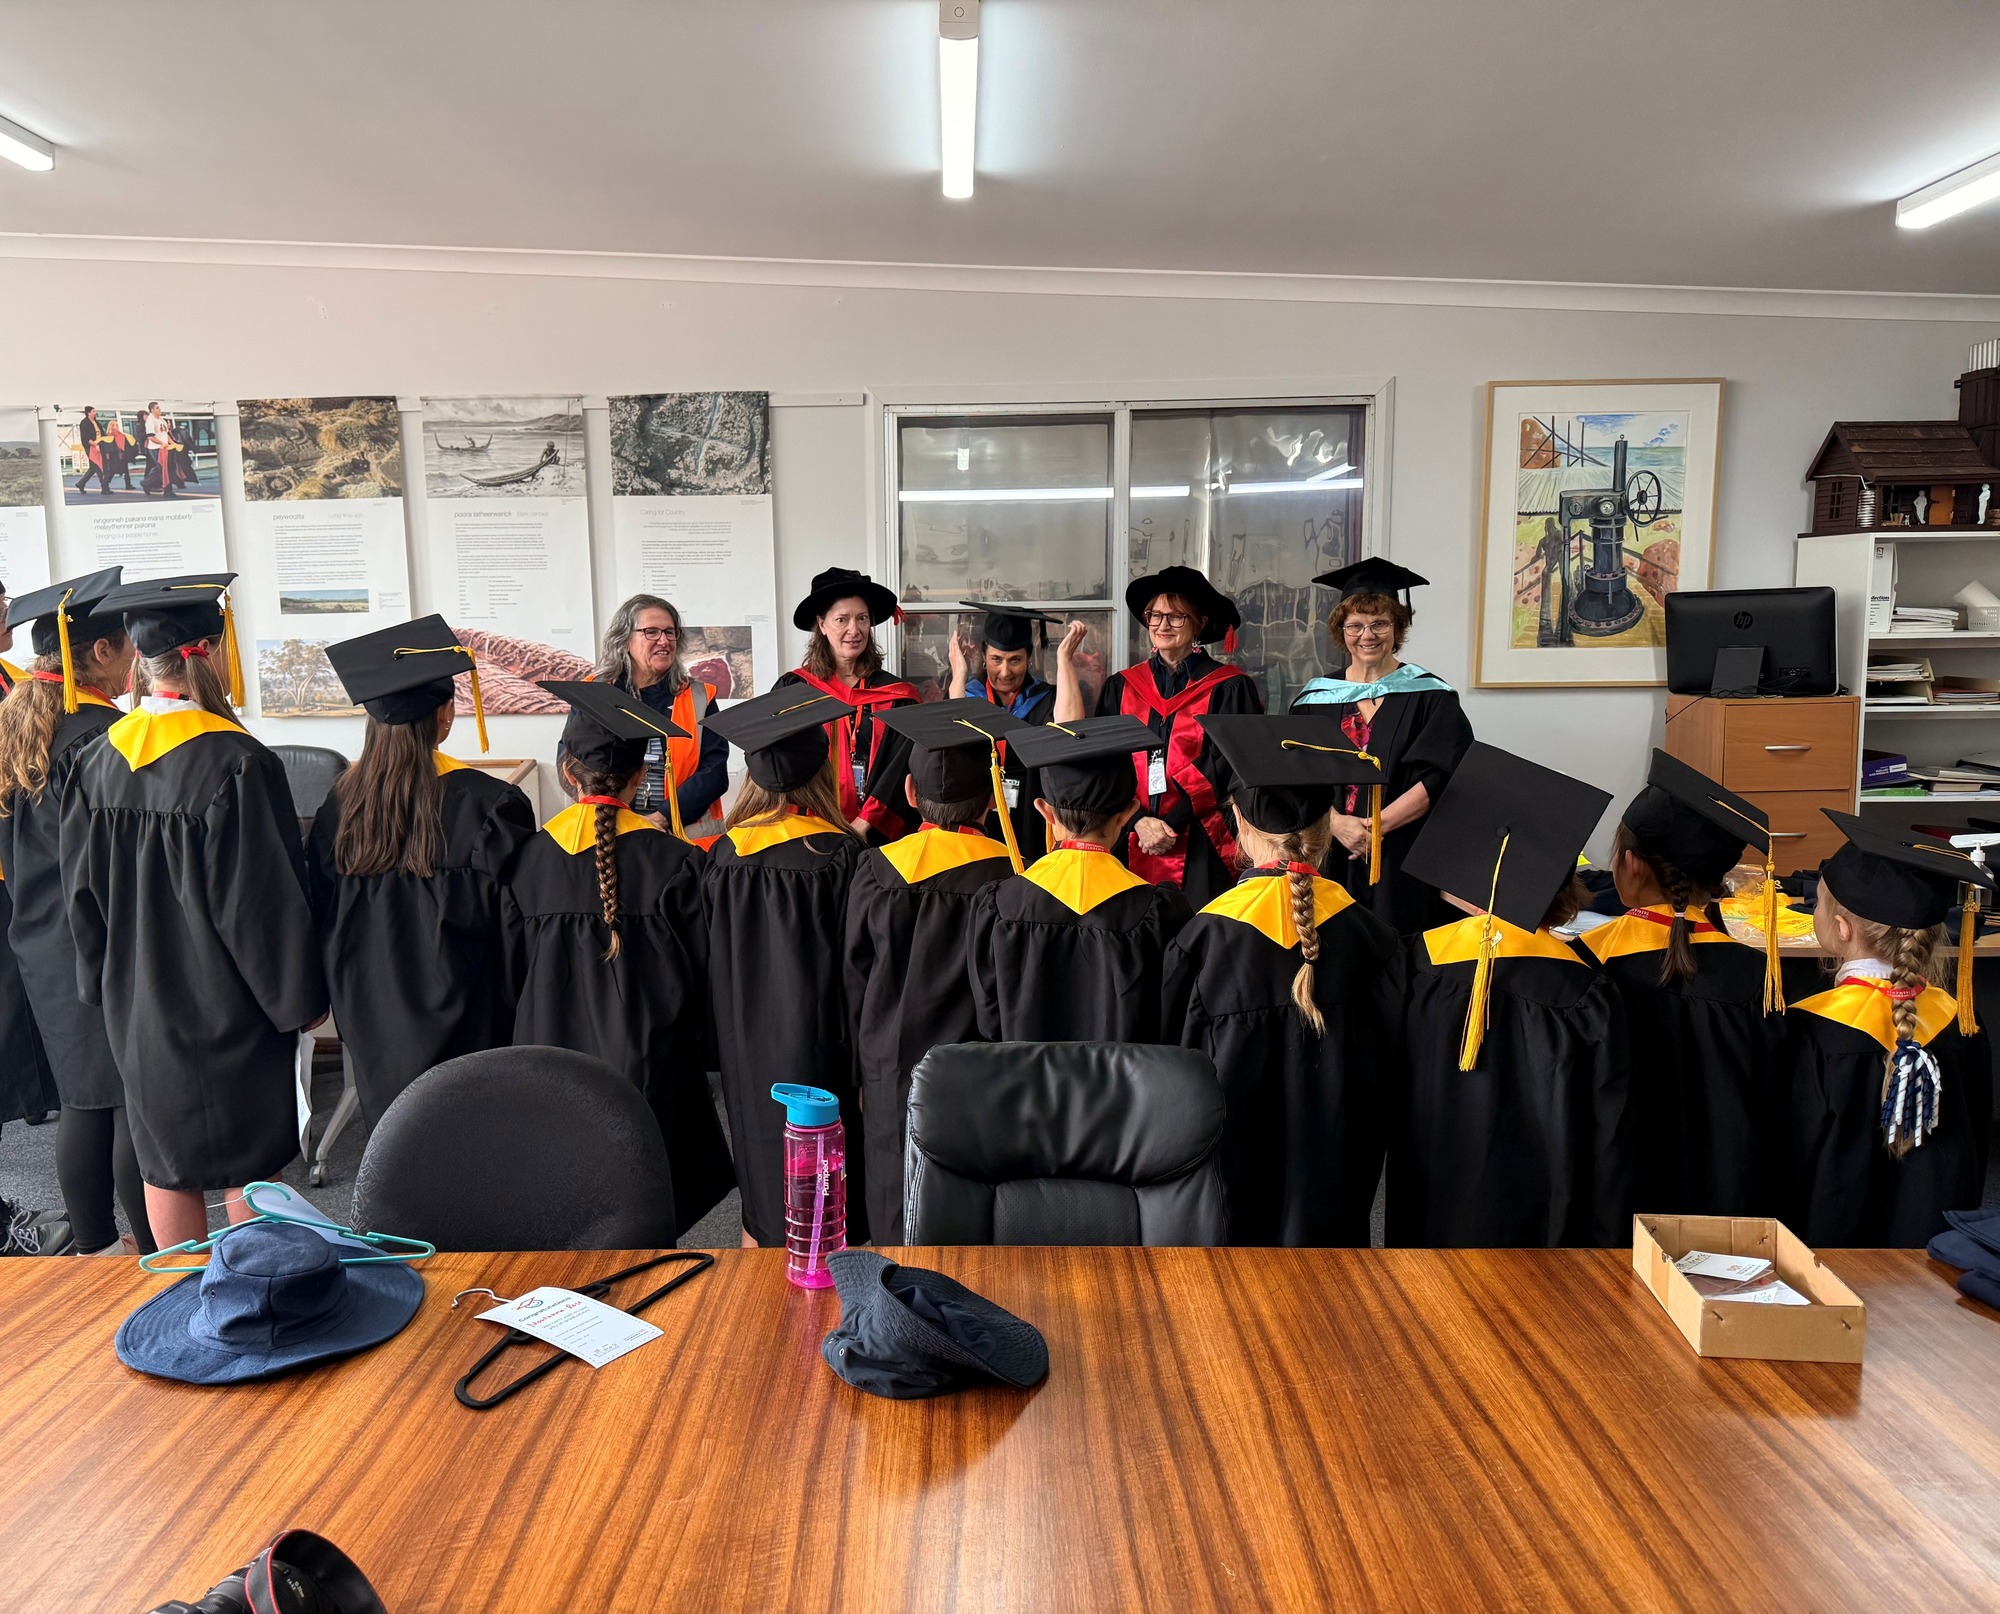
1924	619
1899	683
1957	691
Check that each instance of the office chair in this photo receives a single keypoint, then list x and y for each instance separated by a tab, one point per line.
310	770
1063	1143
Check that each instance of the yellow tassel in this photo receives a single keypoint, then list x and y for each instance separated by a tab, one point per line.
1374	834
1482	974
1006	818
231	656
1774	984
68	666
1968	932
673	785
478	705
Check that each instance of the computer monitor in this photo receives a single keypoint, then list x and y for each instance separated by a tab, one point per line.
1791	627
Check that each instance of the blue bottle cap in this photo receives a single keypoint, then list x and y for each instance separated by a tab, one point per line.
807	1106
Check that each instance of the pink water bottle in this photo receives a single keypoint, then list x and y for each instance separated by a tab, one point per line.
815	1182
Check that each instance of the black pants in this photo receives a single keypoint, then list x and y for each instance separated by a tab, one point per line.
94	1160
98	471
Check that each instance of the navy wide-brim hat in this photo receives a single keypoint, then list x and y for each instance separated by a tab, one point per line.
907	1333
273	1297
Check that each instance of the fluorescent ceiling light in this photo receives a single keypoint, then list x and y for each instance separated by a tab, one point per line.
1309	485
1165	490
958	92
25	147
998	495
1953	194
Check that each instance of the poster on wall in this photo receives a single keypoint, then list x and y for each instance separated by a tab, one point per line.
140	487
1599	503
24	533
510	541
326	558
691	522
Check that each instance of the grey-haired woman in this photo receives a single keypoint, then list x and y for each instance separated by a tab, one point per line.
642	654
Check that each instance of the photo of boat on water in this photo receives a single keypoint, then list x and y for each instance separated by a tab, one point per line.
503	448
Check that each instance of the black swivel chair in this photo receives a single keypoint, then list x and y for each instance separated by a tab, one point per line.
519	1149
1063	1143
310	770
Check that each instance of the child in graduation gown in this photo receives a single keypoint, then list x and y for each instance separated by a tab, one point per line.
187	901
1512	1126
907	918
1889	1095
1702	1010
775	897
605	943
1280	981
1074	949
404	864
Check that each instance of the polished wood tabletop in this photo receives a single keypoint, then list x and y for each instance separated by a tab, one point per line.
1242	1428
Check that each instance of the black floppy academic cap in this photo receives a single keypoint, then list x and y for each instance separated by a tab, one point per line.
781	734
907	1333
841	583
952	745
1220	610
1373	575
401	674
1288	770
76	598
1685	818
1086	766
164	613
1890	878
1504	814
608	730
1009	628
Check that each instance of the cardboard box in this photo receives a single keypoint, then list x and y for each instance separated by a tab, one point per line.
1833	1329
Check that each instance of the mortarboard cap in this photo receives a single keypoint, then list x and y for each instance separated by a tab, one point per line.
401	674
1685	818
908	1333
1008	628
1289	770
952	745
164	614
1086	766
1223	619
1891	878
782	734
1373	575
61	613
608	730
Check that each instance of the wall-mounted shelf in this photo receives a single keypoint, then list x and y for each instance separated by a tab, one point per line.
1933	641
1882	714
1910	535
1927	801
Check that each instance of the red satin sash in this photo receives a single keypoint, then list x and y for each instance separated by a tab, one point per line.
1184	780
840	732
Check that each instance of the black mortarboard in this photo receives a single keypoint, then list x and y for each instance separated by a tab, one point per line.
1373	575
169	613
951	753
1289	770
608	730
780	734
75	597
1891	878
841	583
1502	815
1685	818
1086	766
907	1333
1220	610
401	674
1009	628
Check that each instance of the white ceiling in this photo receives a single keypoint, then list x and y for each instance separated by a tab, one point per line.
1655	142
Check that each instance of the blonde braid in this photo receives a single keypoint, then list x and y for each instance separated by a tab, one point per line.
1306	846
1912	957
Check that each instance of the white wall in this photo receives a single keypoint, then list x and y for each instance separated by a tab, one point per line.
242	332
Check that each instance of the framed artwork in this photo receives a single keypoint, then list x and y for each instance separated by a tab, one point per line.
1598	502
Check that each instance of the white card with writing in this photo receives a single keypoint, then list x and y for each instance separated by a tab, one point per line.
588	1329
1730	1268
1156	773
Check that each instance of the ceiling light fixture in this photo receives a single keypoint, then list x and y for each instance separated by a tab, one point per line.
999	495
25	147
1952	195
958	92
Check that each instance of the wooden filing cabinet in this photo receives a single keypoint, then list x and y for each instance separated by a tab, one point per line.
1792	757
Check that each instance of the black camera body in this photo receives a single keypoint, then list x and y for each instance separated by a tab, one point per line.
298	1573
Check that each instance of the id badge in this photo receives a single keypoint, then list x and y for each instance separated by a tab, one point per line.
1011	789
860	780
1156	774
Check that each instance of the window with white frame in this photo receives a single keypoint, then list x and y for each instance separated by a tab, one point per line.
1060	507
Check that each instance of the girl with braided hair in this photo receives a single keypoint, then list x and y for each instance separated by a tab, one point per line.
1704	1025
1282	980
602	929
1889	1100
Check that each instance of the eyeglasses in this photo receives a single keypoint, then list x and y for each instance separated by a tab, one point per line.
1165	619
655	635
1358	630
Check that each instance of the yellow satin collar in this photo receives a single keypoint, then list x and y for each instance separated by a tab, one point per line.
931	851
1459	943
1081	880
15	675
1867	1009
447	764
574	829
749	839
142	737
1264	903
1626	935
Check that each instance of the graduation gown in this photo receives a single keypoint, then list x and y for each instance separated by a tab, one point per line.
1704	1062
1844	1187
1036	703
1420	736
881	755
1074	950
1194	804
414	965
775	899
187	899
644	1012
72	1031
1533	1145
907	989
1302	1139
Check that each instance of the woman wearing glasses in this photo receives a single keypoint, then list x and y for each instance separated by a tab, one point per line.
642	655
1183	835
1394	710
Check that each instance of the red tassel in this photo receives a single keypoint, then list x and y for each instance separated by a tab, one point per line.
1229	643
899	616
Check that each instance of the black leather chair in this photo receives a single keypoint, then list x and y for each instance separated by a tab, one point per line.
310	770
1063	1143
519	1149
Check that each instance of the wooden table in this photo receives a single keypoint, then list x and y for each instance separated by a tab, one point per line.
1225	1428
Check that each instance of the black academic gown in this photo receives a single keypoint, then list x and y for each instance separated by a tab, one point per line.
187	898
414	964
883	753
72	1031
1302	1136
1705	1062
644	1012
907	988
775	896
1420	737
1074	950
1844	1188
1533	1145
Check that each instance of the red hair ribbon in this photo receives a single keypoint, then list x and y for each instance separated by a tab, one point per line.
196	649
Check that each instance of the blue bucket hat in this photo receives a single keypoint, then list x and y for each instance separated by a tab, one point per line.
273	1297
907	1333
